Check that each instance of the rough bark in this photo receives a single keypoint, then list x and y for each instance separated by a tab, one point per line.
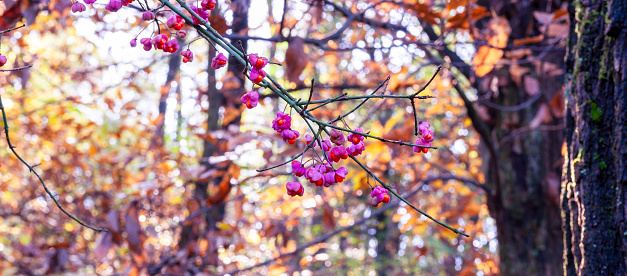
595	168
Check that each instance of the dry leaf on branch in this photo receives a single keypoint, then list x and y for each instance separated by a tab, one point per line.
295	60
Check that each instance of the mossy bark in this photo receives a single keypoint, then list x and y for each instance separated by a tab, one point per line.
595	170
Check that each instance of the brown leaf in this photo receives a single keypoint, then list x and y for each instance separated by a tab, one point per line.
131	270
230	115
327	218
532	85
316	13
219	24
113	222
133	229
543	115
516	72
295	60
557	104
543	17
103	245
552	186
518	54
208	175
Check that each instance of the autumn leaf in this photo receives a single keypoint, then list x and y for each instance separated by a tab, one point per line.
295	60
487	56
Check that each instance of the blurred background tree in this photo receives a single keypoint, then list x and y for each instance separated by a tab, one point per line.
161	154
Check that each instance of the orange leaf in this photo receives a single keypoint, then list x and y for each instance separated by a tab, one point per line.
425	12
528	40
498	32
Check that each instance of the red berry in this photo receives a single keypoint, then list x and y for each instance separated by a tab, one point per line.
386	198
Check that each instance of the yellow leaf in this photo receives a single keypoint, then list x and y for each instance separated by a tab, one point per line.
277	270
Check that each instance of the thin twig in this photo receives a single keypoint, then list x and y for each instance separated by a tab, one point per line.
405	200
12	29
31	169
310	94
16	69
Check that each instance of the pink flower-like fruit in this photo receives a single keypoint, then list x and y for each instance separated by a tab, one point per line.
188	56
218	61
78	7
294	189
250	99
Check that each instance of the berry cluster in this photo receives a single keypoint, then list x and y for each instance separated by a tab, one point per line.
379	194
159	41
282	124
257	73
324	174
425	139
218	61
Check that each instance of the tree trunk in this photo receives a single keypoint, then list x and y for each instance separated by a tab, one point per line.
220	99
595	169
522	163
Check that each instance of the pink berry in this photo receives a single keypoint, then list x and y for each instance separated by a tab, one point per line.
250	99
379	194
159	41
78	7
294	188
3	60
89	2
204	14
181	34
282	122
114	6
188	56
208	4
289	136
356	138
257	75
171	46
257	61
176	22
218	61
337	137
147	43
148	15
